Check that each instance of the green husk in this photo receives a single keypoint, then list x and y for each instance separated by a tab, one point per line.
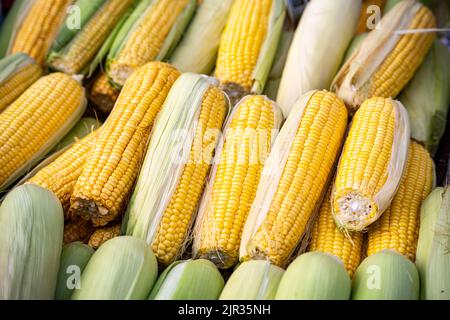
11	64
31	235
83	127
74	259
253	280
433	249
197	51
357	40
189	280
315	276
386	275
8	27
123	268
427	97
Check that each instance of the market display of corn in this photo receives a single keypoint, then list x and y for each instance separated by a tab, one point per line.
225	150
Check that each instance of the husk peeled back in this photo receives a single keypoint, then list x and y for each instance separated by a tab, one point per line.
427	97
433	248
123	268
353	81
318	48
31	234
189	280
253	280
315	276
166	155
197	50
12	64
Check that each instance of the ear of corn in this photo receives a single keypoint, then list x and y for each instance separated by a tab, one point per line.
386	275
326	237
38	119
74	258
112	165
103	94
369	13
315	276
372	163
249	134
253	280
248	45
151	33
427	97
433	257
197	51
17	72
31	231
101	235
189	280
180	151
386	60
72	53
123	268
398	227
77	229
313	59
294	178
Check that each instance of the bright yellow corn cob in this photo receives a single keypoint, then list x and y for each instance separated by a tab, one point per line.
60	175
104	234
326	237
371	164
146	40
232	188
88	41
77	229
398	227
295	178
33	124
363	18
103	94
113	164
39	27
385	61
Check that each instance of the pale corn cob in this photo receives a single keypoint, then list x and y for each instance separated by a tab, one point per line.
371	164
231	190
398	227
103	94
104	234
103	188
295	177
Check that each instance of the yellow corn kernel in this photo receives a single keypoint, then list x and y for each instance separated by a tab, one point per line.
111	168
77	229
103	94
398	227
100	236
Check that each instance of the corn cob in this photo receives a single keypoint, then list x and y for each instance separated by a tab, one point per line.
294	178
371	164
164	218
37	27
326	237
398	227
386	60
72	53
17	73
104	234
248	46
197	51
103	94
224	208
61	175
112	166
313	60
41	116
77	229
151	32
367	10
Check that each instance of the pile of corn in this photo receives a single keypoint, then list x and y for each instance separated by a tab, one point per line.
148	145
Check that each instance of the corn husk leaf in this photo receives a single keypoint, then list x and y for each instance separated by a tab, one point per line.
315	276
433	249
123	268
189	280
253	280
9	26
83	127
12	64
31	233
356	42
386	275
197	50
427	98
317	49
74	259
